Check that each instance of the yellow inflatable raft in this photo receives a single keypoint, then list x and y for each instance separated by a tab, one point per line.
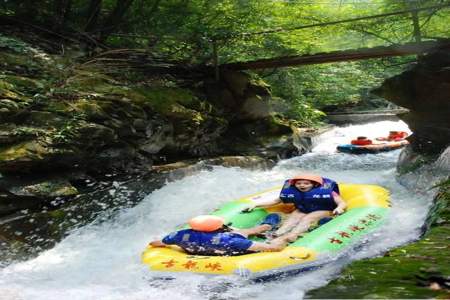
367	207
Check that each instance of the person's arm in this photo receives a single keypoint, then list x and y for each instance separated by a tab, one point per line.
170	239
267	203
262	203
157	243
341	205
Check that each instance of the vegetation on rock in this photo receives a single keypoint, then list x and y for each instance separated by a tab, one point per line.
412	271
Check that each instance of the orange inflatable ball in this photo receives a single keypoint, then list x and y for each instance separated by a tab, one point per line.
206	223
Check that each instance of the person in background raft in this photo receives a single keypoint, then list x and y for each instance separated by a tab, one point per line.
361	141
394	136
210	236
314	198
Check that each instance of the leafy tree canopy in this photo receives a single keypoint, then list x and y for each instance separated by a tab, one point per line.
239	30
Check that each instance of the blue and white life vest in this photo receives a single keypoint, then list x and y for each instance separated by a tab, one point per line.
209	243
318	198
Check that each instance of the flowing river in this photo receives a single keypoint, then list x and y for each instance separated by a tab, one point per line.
102	260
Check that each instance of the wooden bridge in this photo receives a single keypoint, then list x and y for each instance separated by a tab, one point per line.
345	55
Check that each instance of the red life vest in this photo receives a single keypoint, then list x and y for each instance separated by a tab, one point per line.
361	141
397	135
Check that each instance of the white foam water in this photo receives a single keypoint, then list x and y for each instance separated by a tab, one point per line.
101	261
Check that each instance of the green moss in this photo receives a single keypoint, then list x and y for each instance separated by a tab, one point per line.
88	80
10	153
407	272
7	91
17	63
52	189
12	134
92	109
162	99
13	44
259	82
57	214
23	84
58	106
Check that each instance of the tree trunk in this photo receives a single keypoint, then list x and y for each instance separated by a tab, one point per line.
93	14
26	10
62	11
414	4
336	56
115	18
416	33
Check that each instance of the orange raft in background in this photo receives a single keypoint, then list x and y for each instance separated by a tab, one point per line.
362	145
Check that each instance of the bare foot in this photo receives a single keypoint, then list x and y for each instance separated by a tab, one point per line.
292	236
266	227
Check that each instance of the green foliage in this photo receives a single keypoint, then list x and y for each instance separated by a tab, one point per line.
68	130
308	89
189	31
13	45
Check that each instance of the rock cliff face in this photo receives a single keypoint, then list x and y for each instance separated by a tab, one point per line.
62	121
425	91
415	270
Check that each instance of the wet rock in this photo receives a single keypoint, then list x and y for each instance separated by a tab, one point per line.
43	119
409	160
11	203
443	161
158	137
25	84
255	108
10	133
418	270
93	135
424	90
189	167
50	189
31	155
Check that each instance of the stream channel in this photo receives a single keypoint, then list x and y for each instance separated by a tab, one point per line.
101	260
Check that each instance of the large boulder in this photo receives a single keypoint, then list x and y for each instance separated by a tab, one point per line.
425	91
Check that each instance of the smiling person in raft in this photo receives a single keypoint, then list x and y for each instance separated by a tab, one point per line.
314	198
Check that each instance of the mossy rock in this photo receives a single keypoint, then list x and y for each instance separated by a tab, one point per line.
10	133
20	64
56	188
44	119
7	91
255	108
89	80
161	99
14	45
409	160
32	155
23	84
419	270
8	107
94	136
93	109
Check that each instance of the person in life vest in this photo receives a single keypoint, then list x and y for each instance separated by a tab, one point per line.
209	235
314	197
397	135
361	141
394	136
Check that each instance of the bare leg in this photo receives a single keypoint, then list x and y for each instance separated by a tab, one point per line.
254	230
294	218
304	225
